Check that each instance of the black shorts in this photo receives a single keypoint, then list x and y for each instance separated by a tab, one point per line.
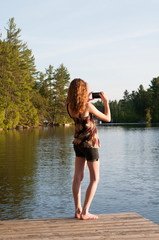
91	154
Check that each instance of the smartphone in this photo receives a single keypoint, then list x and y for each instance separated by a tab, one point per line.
95	95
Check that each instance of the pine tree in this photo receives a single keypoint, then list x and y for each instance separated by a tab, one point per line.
60	87
154	88
17	73
51	100
40	100
2	85
8	87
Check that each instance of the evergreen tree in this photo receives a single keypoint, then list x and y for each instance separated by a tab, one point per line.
154	89
27	95
40	99
8	87
17	79
60	87
115	112
52	87
2	84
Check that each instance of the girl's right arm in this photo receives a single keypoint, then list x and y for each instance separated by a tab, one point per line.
102	116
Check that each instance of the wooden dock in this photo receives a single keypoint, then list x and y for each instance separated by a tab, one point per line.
109	226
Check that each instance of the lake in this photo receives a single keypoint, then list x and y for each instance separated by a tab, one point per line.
37	167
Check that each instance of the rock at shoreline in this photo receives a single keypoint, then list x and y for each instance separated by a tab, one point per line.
26	127
19	127
66	124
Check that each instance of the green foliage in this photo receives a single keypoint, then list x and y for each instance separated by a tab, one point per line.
17	71
148	115
139	106
52	87
41	104
154	90
2	118
60	87
28	97
11	116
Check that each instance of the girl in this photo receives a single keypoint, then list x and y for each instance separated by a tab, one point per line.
85	142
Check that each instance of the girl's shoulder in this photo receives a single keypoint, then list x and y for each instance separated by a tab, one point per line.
83	115
89	107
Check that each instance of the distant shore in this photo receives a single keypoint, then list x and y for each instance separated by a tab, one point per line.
128	124
21	127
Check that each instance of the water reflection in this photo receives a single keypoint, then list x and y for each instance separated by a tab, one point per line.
37	166
53	173
17	165
34	164
129	171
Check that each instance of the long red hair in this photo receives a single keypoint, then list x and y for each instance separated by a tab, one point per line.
77	95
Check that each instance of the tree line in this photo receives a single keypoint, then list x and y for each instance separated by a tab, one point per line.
29	97
141	106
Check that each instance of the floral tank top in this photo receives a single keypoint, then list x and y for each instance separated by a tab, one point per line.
86	134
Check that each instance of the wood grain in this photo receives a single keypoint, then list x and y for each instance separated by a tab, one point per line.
109	226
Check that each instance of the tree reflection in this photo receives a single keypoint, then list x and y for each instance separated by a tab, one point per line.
17	165
35	165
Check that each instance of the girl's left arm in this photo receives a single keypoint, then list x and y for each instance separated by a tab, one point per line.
102	116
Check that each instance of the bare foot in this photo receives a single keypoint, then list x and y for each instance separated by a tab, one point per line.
78	214
89	216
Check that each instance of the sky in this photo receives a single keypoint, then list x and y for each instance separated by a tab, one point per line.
111	44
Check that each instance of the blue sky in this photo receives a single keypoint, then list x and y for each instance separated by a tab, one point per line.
111	44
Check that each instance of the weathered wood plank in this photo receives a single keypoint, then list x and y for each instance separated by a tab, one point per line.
110	226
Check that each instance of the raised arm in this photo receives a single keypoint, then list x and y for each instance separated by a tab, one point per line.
106	116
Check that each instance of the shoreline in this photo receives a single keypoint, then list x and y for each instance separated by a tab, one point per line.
21	127
128	124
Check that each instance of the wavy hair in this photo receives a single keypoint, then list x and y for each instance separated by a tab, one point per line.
77	95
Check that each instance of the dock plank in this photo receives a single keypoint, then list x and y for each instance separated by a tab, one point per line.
108	226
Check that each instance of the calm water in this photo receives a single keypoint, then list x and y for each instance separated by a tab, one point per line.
37	166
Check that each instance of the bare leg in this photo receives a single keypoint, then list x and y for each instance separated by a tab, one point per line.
94	178
76	187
